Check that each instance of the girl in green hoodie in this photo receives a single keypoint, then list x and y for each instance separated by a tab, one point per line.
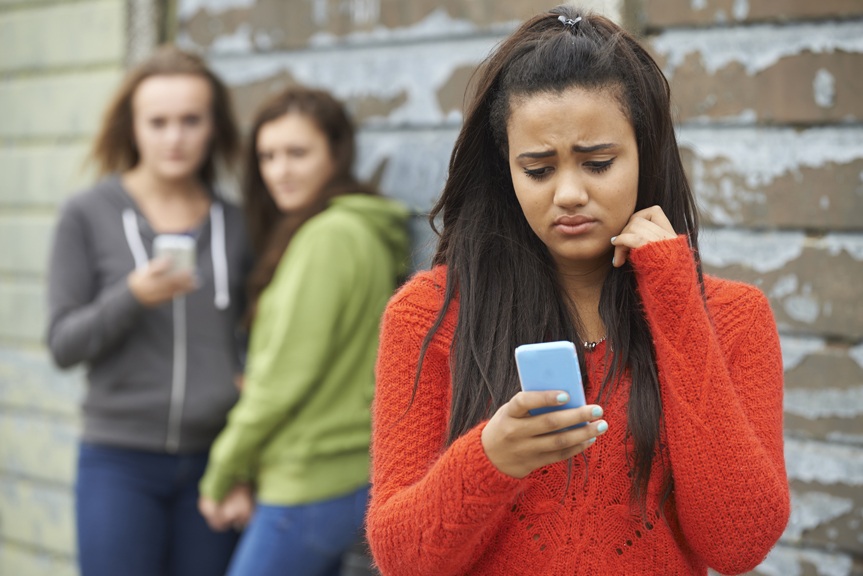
330	252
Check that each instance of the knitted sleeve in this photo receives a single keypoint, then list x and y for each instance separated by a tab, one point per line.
721	380
433	509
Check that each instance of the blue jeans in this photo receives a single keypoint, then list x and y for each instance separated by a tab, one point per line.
137	515
305	540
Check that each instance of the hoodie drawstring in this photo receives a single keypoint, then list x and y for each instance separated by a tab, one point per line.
218	250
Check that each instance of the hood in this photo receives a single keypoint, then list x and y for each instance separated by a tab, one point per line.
389	219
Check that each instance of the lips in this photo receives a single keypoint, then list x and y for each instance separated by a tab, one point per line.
574	225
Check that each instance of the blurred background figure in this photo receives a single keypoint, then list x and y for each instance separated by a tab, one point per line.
768	118
158	340
329	252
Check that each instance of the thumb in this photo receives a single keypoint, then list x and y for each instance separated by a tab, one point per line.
160	265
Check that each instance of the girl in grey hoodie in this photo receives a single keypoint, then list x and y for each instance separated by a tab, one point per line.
159	344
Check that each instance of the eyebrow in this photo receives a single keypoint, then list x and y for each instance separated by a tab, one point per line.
579	149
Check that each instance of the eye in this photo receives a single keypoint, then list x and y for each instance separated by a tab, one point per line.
297	152
538	173
158	122
191	120
599	167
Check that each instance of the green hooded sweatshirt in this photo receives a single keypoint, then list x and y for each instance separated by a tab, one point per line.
301	428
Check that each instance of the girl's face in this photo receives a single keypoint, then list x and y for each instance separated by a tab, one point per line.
574	165
173	123
295	161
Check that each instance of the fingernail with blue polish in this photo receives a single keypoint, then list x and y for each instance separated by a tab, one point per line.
592	440
562	397
597	411
613	238
602	427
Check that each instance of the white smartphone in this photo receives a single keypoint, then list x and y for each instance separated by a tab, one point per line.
551	366
179	248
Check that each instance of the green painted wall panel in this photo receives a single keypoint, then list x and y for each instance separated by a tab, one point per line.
57	105
29	381
38	446
80	33
42	175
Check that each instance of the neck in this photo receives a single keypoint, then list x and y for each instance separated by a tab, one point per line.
142	182
582	282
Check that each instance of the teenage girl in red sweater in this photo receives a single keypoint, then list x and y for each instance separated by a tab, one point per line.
567	216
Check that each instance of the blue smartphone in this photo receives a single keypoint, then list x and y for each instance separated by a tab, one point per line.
551	366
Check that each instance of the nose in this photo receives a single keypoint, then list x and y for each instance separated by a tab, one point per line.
571	190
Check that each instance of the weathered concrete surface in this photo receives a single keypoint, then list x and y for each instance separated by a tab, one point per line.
267	25
813	283
663	13
800	89
22	311
777	177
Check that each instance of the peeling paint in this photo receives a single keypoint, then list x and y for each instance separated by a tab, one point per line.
785	286
825	402
850	243
786	561
416	163
810	461
188	8
844	438
824	88
239	41
740	10
438	24
796	348
417	71
762	252
762	155
698	5
856	354
811	509
802	308
756	48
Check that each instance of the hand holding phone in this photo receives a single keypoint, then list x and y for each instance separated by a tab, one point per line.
179	248
528	432
551	366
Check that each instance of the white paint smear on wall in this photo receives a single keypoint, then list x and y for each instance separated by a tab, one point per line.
811	509
762	155
769	251
759	251
796	348
186	9
825	402
810	461
756	48
787	561
725	156
418	71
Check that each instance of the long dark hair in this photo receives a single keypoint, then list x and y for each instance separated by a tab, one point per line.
503	275
271	230
114	148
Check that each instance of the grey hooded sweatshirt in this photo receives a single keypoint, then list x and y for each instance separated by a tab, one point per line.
160	379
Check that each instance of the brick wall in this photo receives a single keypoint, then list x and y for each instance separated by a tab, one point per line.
59	62
768	100
767	97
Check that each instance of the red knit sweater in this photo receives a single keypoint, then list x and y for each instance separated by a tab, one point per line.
441	510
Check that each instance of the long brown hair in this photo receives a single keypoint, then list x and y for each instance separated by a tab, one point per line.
504	276
271	230
114	148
